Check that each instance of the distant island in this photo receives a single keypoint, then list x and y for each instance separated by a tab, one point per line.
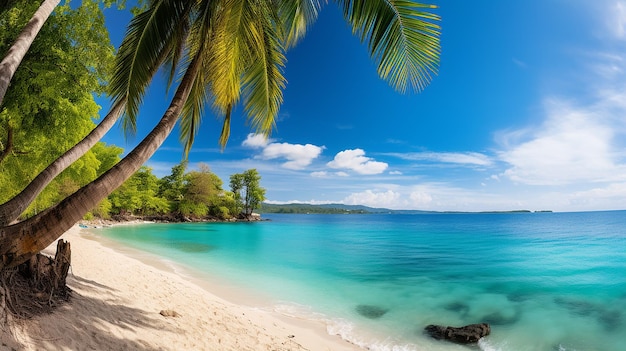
297	208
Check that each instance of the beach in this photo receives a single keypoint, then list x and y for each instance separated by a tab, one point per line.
117	301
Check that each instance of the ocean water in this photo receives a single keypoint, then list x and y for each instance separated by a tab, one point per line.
544	281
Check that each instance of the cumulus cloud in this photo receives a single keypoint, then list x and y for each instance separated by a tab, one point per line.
298	156
356	161
573	145
256	141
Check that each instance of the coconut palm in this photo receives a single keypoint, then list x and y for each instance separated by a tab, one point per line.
231	51
12	209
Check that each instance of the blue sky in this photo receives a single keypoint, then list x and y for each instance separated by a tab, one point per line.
528	111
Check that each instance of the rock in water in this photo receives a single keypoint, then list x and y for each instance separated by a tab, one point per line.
371	312
468	334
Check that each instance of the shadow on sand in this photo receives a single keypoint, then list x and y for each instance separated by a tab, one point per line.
85	323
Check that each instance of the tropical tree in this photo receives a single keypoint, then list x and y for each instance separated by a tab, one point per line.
236	188
138	195
200	192
69	61
16	53
235	50
247	191
171	187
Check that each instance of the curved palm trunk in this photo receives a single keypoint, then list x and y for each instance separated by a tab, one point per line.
16	53
20	241
10	210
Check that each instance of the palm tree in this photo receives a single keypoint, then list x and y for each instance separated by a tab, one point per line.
235	50
16	53
12	209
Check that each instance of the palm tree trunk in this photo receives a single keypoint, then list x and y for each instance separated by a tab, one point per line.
20	241
10	210
16	53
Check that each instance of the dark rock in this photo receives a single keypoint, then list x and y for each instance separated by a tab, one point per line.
371	312
468	334
169	313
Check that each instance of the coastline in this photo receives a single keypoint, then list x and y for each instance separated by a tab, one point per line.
117	299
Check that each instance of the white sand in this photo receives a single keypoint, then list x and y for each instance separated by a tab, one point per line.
116	304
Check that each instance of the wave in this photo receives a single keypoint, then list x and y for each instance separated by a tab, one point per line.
345	329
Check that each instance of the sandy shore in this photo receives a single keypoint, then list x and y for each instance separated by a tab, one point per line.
117	301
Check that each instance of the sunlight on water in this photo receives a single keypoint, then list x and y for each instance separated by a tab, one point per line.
548	281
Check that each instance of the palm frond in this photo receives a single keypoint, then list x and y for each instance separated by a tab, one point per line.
225	134
228	54
199	45
296	16
263	81
402	38
147	43
177	48
192	113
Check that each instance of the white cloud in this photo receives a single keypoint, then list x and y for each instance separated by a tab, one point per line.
395	173
298	156
462	158
322	174
256	141
420	198
386	199
609	197
616	20
356	160
573	145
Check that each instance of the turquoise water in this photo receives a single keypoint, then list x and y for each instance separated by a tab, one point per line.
544	281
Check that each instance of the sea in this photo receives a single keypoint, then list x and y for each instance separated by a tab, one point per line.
543	281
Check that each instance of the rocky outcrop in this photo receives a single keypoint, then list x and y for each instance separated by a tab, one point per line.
468	334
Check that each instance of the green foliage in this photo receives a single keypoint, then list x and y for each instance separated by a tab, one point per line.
196	194
247	191
50	104
107	155
103	210
201	192
221	212
308	209
188	208
137	196
171	187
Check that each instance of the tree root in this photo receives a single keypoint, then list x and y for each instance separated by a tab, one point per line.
37	286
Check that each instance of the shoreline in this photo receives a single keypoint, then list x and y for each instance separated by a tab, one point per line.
119	292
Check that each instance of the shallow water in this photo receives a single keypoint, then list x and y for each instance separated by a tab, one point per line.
544	281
